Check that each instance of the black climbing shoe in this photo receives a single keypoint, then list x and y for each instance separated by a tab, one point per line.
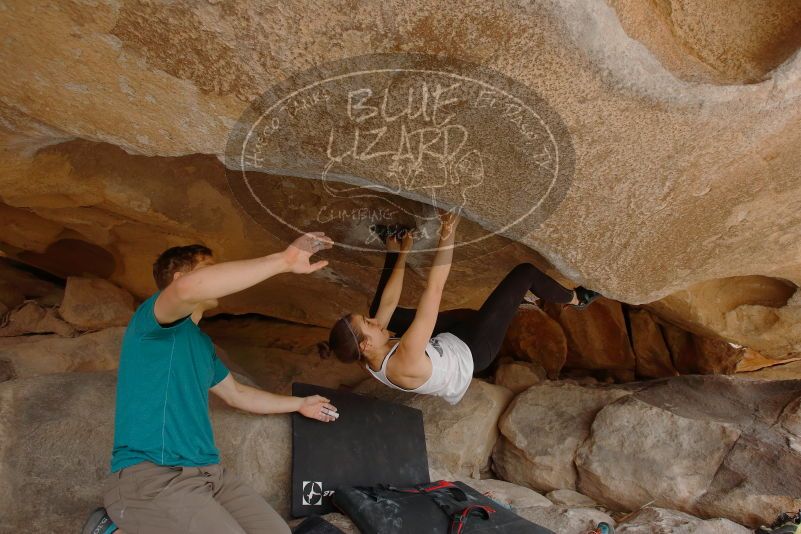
585	297
99	523
784	524
384	231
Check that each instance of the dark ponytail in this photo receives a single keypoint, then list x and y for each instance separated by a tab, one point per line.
343	341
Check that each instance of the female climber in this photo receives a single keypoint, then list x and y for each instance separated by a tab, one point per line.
437	353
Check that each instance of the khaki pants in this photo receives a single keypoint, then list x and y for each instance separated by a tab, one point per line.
152	499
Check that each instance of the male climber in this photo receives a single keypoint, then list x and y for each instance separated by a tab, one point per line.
166	475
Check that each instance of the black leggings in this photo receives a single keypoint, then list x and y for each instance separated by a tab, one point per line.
483	330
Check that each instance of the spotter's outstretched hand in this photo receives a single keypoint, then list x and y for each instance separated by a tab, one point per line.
297	254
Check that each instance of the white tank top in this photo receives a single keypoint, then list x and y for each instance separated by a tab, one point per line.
451	368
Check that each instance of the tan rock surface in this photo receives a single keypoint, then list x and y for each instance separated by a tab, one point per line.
31	318
37	355
519	376
652	520
758	312
258	331
570	498
710	446
698	181
653	356
459	439
791	418
274	354
787	371
276	369
117	219
656	456
541	431
564	519
518	497
535	337
17	285
754	361
597	337
753	41
750	487
94	303
698	354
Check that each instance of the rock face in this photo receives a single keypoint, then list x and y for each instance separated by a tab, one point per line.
684	195
563	519
675	431
675	34
540	510
672	459
570	498
696	354
541	455
459	438
100	151
259	331
93	304
142	220
274	354
275	369
519	376
597	337
661	521
708	446
788	371
37	355
535	337
755	311
18	284
51	484
653	356
31	318
517	497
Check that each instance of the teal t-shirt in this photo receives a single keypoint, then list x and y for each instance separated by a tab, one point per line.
162	410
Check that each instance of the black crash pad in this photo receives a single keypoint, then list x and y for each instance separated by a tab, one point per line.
372	442
381	510
316	525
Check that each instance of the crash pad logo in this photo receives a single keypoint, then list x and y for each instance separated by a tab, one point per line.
388	139
313	493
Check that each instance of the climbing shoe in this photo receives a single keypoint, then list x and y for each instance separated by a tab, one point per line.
99	523
603	528
585	297
784	524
